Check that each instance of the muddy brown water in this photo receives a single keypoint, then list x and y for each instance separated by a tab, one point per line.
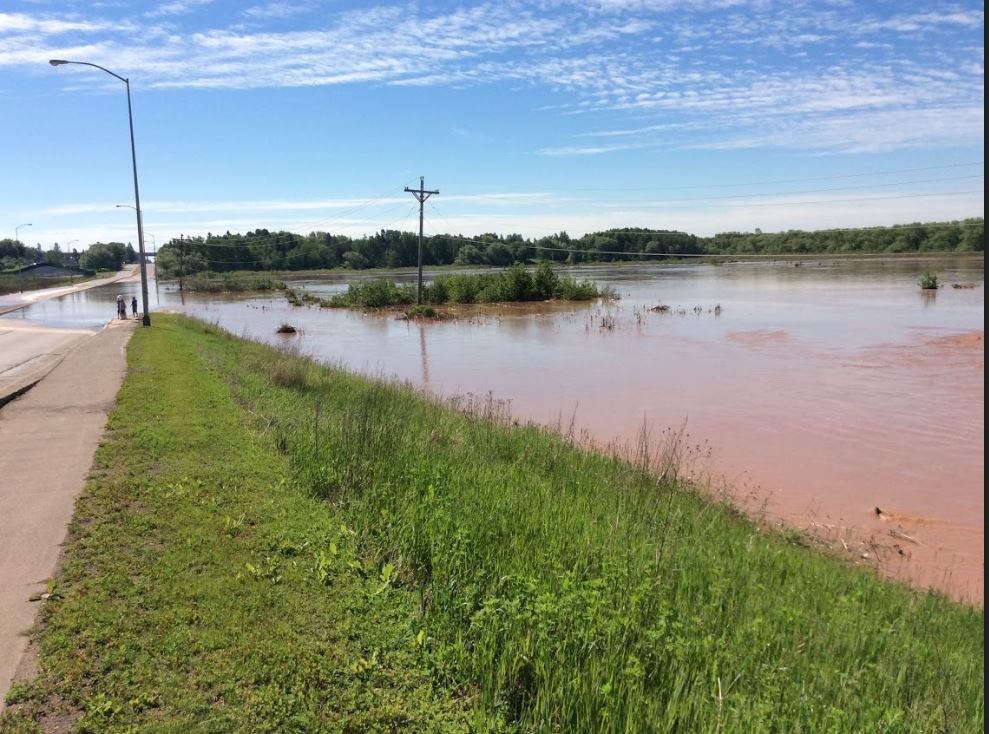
814	394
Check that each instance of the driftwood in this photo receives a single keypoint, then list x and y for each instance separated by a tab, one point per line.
899	534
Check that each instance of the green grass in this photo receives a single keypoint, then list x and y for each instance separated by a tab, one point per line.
269	545
201	591
512	285
929	281
19	283
229	283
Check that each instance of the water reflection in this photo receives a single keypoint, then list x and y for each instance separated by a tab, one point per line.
425	357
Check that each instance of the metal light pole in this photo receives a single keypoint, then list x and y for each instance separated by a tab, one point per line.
137	196
154	242
17	228
67	257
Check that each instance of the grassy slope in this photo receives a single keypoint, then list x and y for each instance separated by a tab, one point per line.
17	284
210	582
201	592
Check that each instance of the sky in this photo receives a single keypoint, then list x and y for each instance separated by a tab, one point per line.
534	118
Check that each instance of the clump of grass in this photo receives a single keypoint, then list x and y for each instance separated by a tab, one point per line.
230	283
286	328
422	311
288	371
929	281
374	294
509	286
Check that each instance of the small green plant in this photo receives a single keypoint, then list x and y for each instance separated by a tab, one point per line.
19	692
421	312
286	329
929	281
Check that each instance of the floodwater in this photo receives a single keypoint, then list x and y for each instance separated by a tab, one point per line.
832	395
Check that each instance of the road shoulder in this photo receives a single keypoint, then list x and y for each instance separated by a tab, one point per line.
49	436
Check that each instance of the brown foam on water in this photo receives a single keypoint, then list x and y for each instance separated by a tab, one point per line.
759	337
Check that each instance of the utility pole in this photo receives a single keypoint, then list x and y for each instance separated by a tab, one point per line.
421	195
181	259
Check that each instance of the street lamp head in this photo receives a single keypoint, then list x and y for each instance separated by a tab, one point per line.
57	62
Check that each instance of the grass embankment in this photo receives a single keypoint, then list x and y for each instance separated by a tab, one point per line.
513	285
272	545
19	284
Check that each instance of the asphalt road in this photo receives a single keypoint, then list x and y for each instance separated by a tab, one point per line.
29	351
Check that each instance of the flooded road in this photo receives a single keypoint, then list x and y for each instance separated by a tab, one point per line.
818	393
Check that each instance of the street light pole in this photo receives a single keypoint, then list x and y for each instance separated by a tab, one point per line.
154	242
17	229
137	196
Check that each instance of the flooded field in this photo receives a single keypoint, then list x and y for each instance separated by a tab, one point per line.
834	395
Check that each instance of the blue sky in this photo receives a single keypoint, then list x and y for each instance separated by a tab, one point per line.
529	117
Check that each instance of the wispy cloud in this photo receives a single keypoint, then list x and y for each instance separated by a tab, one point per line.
177	7
279	10
711	73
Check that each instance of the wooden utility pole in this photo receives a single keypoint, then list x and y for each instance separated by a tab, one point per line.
421	195
181	259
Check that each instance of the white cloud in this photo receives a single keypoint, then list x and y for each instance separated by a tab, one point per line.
693	72
277	10
177	7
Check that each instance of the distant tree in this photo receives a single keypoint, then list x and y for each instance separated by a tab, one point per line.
54	255
355	260
469	255
13	253
104	256
498	254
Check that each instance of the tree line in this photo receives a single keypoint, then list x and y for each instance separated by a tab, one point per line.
98	256
262	249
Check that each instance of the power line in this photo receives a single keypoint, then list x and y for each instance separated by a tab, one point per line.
526	244
758	183
810	191
866	198
253	239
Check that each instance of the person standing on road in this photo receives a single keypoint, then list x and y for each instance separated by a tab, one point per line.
133	305
121	307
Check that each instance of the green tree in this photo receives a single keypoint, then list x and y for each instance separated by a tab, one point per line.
104	256
54	255
469	255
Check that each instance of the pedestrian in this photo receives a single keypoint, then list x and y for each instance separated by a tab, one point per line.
121	307
133	305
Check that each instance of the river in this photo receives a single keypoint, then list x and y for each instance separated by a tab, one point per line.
833	395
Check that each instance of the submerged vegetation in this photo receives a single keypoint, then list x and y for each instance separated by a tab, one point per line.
295	548
228	283
516	284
